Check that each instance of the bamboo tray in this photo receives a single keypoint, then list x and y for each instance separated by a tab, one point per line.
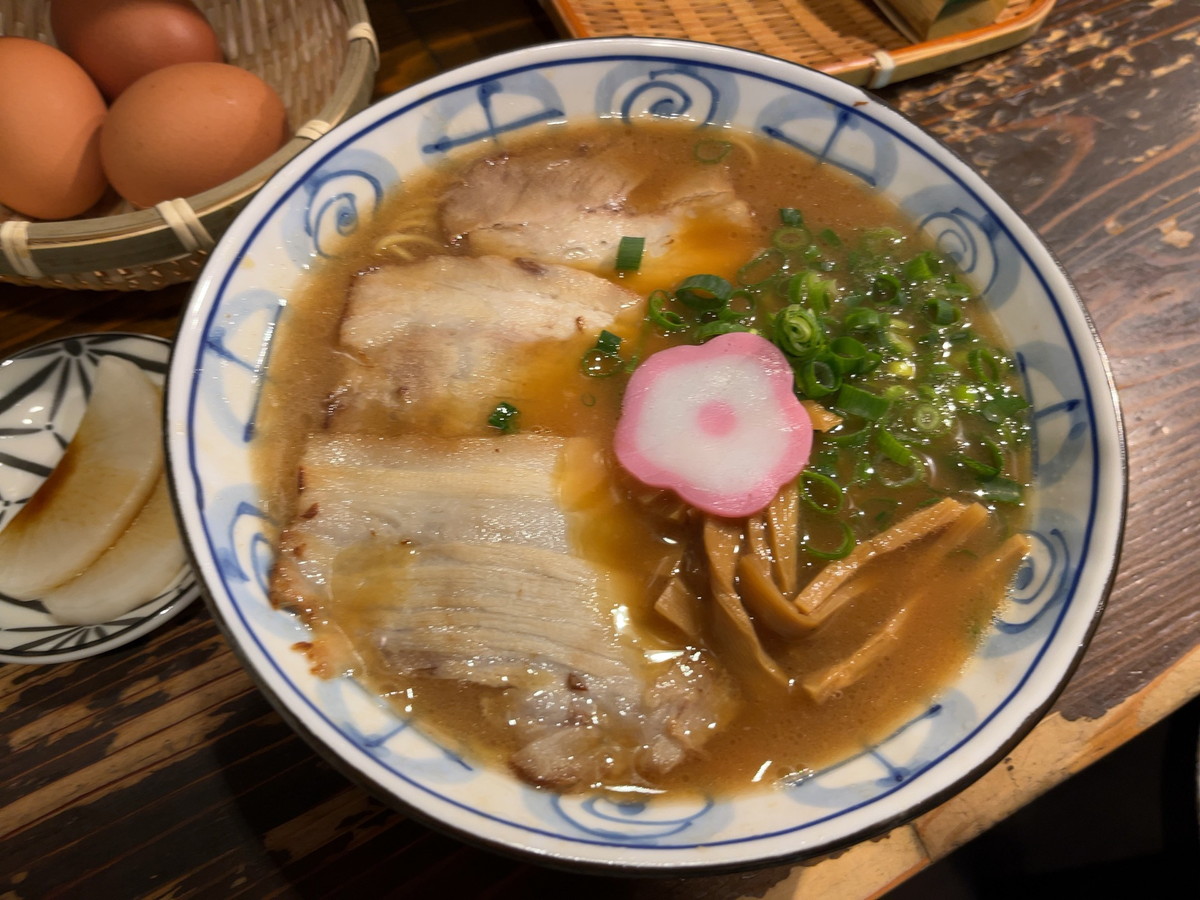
849	39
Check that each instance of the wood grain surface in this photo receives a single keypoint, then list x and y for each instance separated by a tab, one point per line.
158	770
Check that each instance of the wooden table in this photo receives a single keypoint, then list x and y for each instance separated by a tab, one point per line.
159	770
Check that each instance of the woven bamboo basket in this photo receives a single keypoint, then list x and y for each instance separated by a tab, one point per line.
850	39
320	55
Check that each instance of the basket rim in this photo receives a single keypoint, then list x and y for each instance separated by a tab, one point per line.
117	241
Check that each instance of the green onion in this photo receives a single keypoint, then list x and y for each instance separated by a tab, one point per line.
864	319
600	365
811	481
983	469
790	238
854	401
984	365
965	394
504	417
704	292
789	215
887	289
881	241
812	290
907	473
922	267
817	379
742	305
711	151
893	449
608	343
629	253
830	238
941	371
852	357
712	329
956	289
604	358
665	319
941	311
841	551
797	332
1002	408
899	343
927	418
1001	490
845	438
762	268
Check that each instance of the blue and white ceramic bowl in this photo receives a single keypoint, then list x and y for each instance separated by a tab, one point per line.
224	349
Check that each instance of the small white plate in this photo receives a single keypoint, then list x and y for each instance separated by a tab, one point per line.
43	393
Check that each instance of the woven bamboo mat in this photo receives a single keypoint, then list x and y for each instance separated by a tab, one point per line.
850	39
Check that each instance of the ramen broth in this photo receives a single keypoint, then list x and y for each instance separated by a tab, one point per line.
770	732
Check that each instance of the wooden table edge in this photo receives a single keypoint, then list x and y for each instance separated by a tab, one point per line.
1056	749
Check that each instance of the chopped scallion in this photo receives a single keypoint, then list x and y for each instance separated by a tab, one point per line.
608	343
922	267
504	417
665	319
604	357
830	238
984	365
927	418
841	551
797	331
854	401
711	151
893	449
941	311
817	379
704	292
1002	408
852	357
629	253
712	329
984	469
762	268
1001	490
791	238
864	319
789	215
813	483
812	290
887	289
892	474
741	305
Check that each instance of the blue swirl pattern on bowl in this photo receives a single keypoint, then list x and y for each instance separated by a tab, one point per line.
326	192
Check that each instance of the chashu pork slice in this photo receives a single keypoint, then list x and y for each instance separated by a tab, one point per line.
435	345
575	210
451	559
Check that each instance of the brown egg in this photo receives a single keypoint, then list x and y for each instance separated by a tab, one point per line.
187	128
50	117
119	41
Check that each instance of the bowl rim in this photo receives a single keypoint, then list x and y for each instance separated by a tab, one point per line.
1095	372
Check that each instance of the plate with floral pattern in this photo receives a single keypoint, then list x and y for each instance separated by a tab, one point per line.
43	393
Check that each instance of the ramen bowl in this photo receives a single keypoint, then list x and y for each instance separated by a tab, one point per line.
223	355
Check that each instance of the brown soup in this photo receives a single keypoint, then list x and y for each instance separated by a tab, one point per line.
905	525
